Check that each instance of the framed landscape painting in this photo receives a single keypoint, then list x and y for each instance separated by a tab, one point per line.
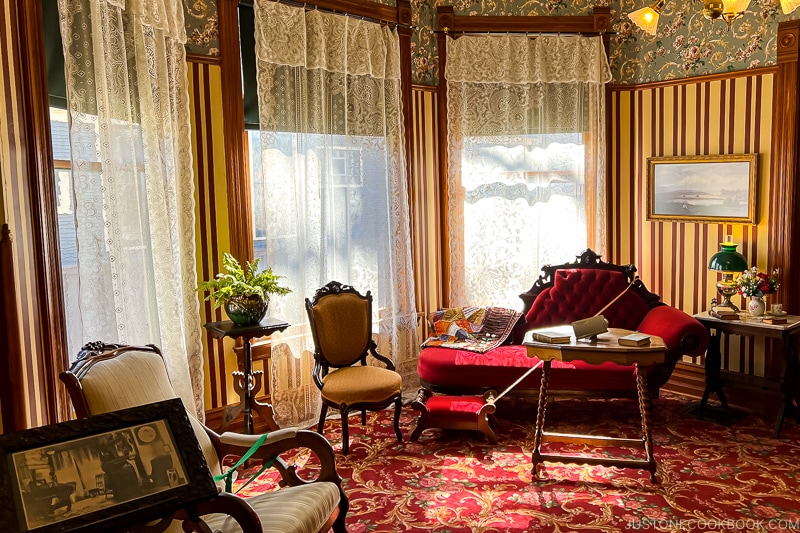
708	188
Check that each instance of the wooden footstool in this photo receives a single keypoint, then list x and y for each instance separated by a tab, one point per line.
454	412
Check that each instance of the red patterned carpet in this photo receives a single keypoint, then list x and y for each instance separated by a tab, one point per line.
712	477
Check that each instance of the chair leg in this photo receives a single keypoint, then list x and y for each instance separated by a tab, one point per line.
364	417
345	431
397	405
322	414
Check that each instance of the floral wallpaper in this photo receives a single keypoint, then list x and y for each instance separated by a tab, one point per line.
202	27
686	44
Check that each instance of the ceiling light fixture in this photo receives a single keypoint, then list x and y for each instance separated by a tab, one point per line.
647	17
728	10
789	5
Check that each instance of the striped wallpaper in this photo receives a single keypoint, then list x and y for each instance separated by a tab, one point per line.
697	116
424	193
205	95
13	171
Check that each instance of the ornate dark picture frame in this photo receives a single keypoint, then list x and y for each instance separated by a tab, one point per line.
106	472
703	188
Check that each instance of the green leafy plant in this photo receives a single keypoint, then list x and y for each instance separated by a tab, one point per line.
238	281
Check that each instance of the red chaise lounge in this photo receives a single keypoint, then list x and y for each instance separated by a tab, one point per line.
563	294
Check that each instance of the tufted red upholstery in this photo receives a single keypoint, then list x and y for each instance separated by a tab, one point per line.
580	293
564	294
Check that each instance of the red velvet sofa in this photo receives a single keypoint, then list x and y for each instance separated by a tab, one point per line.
563	294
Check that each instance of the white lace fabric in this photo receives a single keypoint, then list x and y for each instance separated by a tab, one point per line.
132	177
526	153
331	184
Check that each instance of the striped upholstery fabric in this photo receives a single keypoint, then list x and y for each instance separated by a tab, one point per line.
302	509
137	378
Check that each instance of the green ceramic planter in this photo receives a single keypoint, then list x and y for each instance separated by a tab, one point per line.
246	310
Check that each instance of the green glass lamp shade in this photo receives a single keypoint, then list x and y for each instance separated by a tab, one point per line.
728	260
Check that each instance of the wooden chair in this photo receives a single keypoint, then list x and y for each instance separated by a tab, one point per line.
341	324
107	378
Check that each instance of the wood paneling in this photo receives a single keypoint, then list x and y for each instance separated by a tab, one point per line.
698	116
29	199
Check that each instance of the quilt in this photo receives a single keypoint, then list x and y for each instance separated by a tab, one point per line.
475	329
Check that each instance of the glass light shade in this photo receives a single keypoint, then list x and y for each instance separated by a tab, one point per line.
789	5
735	6
647	17
728	261
734	9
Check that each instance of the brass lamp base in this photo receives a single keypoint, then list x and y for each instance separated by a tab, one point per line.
727	288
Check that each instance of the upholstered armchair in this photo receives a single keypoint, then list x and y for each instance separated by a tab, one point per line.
107	378
341	324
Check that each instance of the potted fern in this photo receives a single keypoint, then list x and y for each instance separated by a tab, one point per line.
243	292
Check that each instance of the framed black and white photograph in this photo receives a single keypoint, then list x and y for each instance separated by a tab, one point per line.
709	188
120	468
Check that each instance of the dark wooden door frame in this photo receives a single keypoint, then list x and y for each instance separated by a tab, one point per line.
44	335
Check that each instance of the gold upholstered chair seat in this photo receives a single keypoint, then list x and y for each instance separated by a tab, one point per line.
361	384
341	324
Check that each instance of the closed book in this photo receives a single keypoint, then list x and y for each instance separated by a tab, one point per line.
551	337
775	320
634	339
724	316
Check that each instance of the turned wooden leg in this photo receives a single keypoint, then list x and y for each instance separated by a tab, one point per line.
419	404
345	430
644	409
542	406
322	414
398	404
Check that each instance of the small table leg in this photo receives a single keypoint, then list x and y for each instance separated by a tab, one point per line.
788	380
644	409
713	368
248	389
540	412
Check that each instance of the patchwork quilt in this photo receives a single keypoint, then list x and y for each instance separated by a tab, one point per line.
475	329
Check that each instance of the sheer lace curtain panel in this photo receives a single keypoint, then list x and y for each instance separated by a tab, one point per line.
132	177
526	159
334	192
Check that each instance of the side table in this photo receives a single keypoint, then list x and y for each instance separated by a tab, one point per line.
605	349
247	389
787	333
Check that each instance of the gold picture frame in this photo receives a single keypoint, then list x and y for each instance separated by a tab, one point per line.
702	188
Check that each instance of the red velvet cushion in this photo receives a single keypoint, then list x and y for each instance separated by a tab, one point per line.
679	330
455	407
582	292
500	367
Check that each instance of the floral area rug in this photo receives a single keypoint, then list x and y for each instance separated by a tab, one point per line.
711	477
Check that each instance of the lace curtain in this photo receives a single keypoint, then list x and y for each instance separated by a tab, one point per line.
132	180
526	159
331	184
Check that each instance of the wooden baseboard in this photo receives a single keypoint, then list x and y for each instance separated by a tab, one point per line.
750	393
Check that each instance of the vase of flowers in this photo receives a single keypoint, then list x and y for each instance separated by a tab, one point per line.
755	285
243	292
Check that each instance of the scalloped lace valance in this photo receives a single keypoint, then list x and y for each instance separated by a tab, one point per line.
523	59
334	43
